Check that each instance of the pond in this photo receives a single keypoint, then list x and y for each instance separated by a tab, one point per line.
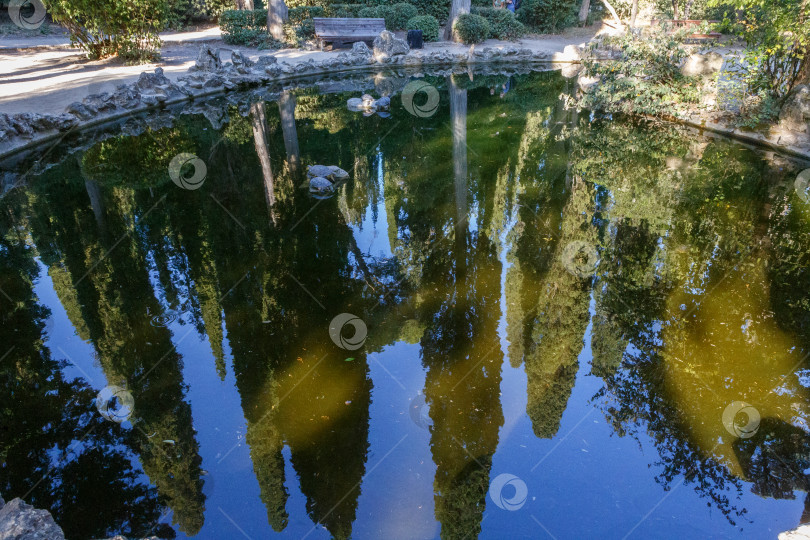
512	320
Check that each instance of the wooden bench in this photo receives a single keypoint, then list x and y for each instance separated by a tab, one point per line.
678	24
342	31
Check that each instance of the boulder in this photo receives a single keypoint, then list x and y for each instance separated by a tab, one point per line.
240	60
802	532
387	45
79	110
23	522
795	114
587	83
361	49
572	53
384	103
338	174
354	104
321	186
314	171
149	81
702	64
207	60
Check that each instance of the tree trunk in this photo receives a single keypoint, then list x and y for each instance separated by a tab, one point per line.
634	14
675	9
244	4
277	15
286	109
583	12
259	125
457	7
613	12
688	9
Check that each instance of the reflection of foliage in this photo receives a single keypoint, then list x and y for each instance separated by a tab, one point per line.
55	449
141	161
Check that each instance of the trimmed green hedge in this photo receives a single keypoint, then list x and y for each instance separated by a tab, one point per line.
502	23
345	10
396	16
299	14
243	27
427	24
471	28
437	8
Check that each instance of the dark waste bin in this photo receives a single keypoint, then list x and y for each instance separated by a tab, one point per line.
415	39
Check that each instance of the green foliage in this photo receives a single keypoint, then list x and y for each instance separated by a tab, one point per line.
548	16
646	80
396	16
243	27
298	15
184	12
427	24
437	8
471	28
344	10
127	28
777	37
502	23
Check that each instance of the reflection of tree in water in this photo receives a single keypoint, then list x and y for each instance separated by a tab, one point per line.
56	451
109	272
461	350
680	297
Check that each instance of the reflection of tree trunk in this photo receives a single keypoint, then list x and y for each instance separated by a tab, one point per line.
94	192
277	14
583	12
458	121
259	124
286	108
457	7
633	14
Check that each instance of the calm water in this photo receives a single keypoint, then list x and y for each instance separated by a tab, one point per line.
512	321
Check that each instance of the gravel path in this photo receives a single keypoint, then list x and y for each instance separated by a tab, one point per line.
43	74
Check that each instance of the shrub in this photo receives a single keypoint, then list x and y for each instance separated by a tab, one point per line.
127	28
646	80
184	12
401	13
298	15
396	16
369	13
548	15
437	8
344	10
427	24
471	28
243	27
502	23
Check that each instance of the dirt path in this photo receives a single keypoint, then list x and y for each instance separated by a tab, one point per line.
41	74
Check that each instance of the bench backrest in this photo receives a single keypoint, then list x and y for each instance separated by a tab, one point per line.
325	27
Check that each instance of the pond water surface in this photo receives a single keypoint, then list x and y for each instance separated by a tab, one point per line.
512	321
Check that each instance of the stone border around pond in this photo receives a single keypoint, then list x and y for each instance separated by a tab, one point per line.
209	76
